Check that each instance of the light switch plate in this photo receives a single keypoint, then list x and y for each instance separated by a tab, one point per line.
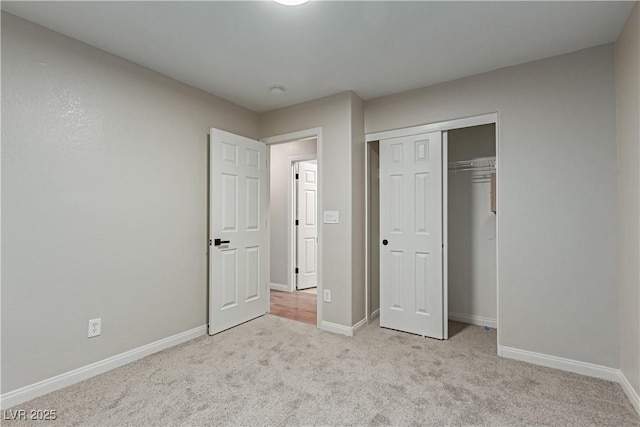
331	217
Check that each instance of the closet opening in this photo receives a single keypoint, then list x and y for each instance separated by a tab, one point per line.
432	247
471	251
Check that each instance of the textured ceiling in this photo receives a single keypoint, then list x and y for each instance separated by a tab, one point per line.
237	50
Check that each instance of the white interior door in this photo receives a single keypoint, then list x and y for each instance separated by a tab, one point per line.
307	227
411	281
238	247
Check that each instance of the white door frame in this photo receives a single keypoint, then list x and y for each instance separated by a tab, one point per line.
483	119
296	136
291	227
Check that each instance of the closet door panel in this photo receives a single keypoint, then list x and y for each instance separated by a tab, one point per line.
411	281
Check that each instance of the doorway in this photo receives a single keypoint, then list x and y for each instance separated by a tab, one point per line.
240	227
294	229
304	225
468	207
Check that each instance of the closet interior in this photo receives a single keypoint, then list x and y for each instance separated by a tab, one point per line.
471	225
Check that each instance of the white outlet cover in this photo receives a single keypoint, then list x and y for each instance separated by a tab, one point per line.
331	217
327	295
95	327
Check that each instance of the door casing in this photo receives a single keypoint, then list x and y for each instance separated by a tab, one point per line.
296	136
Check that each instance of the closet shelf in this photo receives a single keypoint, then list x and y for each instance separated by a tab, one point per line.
483	163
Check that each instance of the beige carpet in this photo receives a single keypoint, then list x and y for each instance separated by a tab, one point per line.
275	371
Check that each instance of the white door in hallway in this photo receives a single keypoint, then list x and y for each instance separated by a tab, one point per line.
411	280
238	246
306	228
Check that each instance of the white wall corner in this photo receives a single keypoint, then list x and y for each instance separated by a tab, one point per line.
569	365
361	324
629	391
279	287
66	379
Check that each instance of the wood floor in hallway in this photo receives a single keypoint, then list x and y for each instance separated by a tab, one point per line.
300	306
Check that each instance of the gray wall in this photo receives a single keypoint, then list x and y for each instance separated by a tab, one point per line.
334	115
278	205
557	235
471	227
628	126
104	202
358	211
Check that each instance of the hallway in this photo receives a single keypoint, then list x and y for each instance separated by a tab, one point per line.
298	305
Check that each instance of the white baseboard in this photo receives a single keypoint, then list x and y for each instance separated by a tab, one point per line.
341	329
361	324
474	320
570	365
66	379
336	328
279	287
375	314
629	391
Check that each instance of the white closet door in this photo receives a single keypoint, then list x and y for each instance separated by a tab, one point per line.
411	280
239	250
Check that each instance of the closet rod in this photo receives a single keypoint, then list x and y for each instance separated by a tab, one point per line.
484	163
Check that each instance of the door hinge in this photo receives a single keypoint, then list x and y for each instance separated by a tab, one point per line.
297	222
297	176
296	270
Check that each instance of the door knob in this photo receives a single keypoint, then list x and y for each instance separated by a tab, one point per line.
385	242
218	242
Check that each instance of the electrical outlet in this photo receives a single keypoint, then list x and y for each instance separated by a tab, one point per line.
95	325
327	295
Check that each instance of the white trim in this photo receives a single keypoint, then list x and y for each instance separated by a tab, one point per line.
293	136
367	212
361	324
464	122
376	313
296	136
498	244
279	287
66	379
267	280
336	328
474	320
341	329
629	391
569	365
445	233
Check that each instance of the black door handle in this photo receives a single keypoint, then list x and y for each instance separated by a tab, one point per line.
385	242
218	242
